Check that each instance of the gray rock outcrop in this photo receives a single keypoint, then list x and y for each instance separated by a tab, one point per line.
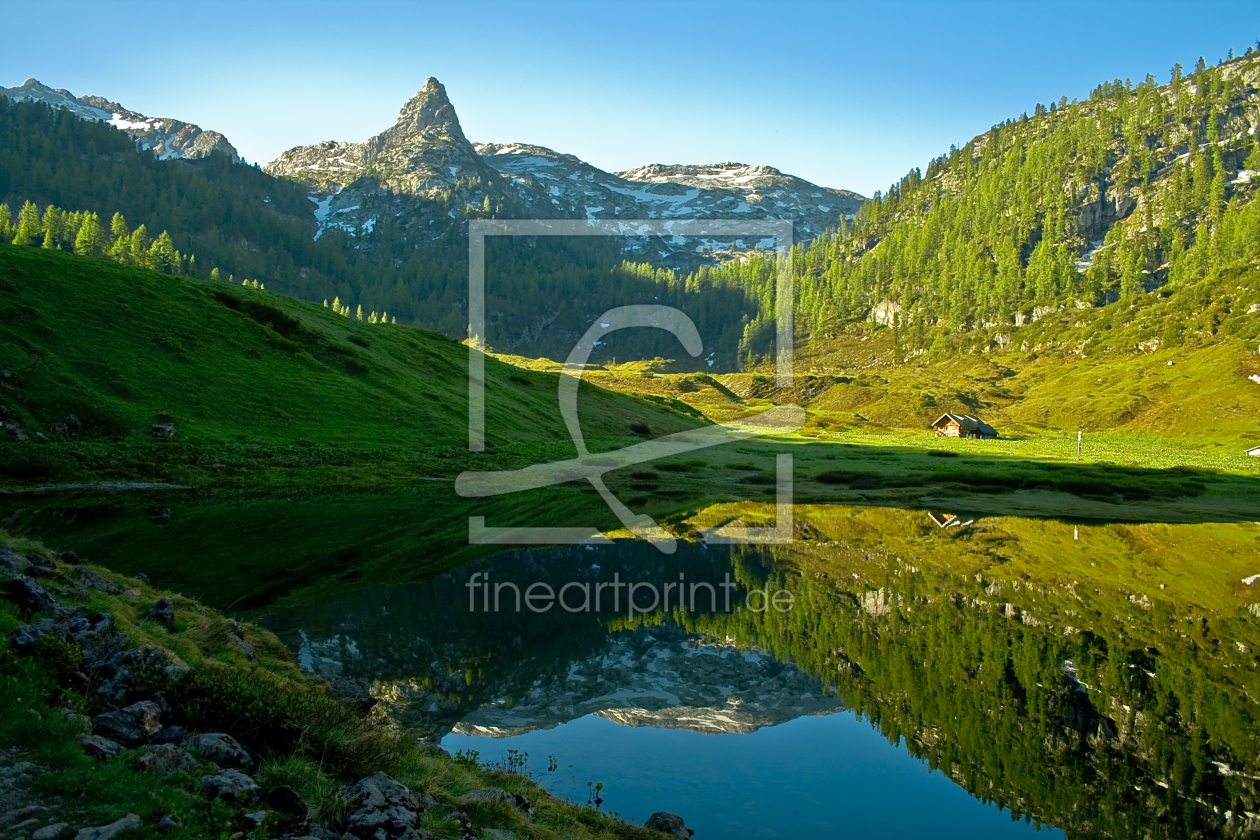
231	786
220	748
107	832
164	612
133	725
384	809
671	824
102	747
166	759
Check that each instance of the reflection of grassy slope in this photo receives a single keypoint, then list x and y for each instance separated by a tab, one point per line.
955	640
1197	567
122	348
251	552
258	549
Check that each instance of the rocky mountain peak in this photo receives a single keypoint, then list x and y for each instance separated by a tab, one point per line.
424	172
423	156
165	137
428	110
35	84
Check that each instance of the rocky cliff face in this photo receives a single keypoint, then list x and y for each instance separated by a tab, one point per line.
422	172
552	183
167	138
425	174
425	151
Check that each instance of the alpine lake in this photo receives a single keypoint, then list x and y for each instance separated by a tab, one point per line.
888	672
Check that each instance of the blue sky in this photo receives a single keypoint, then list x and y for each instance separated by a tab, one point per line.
846	94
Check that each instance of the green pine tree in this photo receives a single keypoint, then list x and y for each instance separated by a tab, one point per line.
120	239
138	248
90	240
28	226
162	255
52	225
1253	159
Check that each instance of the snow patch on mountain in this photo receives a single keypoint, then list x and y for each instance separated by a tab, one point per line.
166	138
425	173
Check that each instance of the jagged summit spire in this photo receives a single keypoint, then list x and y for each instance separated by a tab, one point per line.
428	109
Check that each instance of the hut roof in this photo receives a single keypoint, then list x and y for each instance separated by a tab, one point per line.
966	423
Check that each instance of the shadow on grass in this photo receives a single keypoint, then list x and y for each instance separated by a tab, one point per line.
251	551
885	468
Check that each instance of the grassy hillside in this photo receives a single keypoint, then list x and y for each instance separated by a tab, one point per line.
230	366
1174	362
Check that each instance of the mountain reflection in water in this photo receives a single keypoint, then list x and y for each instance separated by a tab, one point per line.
1099	678
623	702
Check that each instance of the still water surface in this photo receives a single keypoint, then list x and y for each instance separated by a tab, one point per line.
741	743
1005	678
831	776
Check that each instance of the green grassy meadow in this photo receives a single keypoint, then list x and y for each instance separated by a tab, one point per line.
253	381
267	392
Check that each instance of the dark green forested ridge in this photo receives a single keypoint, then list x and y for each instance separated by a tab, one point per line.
230	215
1139	187
1082	204
56	229
218	218
247	224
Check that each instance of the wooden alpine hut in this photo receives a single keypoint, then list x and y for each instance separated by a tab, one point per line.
963	426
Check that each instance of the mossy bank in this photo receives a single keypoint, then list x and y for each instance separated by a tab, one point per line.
167	718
